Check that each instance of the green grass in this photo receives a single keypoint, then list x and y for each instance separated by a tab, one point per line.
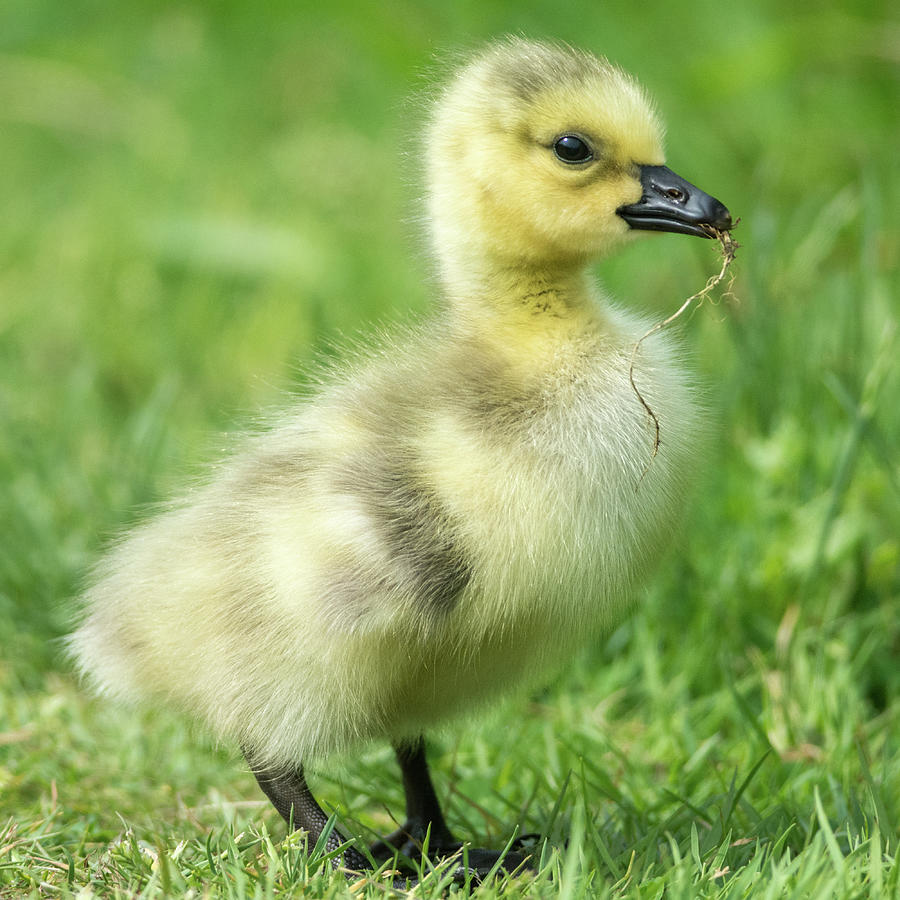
198	201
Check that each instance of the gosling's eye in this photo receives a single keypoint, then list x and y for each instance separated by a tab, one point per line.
572	149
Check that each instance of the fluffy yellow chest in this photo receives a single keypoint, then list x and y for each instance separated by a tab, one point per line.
562	508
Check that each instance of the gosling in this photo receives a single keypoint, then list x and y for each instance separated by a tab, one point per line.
450	514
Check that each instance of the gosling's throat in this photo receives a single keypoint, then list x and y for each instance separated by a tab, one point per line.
529	317
541	295
510	291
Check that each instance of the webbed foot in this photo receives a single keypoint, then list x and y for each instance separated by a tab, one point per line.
409	839
477	865
470	864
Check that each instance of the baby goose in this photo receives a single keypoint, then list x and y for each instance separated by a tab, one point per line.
449	515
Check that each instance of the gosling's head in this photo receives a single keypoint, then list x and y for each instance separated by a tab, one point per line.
542	155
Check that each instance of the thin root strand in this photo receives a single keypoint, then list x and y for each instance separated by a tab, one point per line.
729	248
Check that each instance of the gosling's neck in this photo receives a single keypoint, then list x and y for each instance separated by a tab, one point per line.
526	313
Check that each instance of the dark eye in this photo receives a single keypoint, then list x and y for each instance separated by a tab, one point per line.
572	149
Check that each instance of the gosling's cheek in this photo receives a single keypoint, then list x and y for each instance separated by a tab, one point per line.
627	191
600	207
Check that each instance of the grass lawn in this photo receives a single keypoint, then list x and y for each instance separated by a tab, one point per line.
201	200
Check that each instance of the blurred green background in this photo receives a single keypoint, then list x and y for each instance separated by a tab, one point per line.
199	199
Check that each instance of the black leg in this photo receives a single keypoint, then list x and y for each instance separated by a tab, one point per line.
291	796
422	809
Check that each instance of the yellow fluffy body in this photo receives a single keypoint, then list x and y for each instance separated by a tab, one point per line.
452	515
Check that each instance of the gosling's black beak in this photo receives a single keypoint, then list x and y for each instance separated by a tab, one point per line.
670	203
